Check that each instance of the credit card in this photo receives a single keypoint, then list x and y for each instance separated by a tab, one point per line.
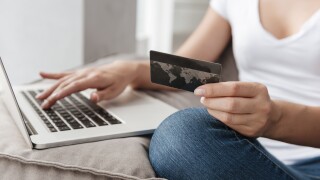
182	73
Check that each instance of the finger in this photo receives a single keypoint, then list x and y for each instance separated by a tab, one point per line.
230	89
94	97
47	75
67	82
106	94
230	119
230	104
45	94
73	87
61	82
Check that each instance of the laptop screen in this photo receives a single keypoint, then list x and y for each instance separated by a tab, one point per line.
11	103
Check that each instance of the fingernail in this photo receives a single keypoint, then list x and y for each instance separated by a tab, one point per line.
202	99
199	92
45	104
95	97
55	95
39	95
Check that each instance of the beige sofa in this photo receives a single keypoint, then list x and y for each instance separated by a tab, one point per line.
125	158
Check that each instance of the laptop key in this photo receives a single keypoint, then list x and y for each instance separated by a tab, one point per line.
50	125
79	116
47	122
56	120
61	124
76	126
64	128
52	129
99	121
88	124
114	121
73	123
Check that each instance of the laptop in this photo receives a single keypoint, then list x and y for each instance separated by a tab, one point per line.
75	119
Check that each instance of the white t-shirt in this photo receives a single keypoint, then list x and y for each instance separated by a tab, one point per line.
289	67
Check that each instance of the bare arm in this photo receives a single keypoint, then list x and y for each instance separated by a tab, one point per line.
297	124
207	42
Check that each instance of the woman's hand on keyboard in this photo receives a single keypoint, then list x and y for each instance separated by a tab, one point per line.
109	80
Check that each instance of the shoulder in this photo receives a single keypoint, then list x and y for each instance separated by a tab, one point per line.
221	7
229	8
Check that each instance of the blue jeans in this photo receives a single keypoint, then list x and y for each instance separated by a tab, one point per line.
191	144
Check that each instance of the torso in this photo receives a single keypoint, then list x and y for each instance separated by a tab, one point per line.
284	18
277	43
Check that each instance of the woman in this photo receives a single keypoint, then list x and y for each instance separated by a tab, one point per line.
277	49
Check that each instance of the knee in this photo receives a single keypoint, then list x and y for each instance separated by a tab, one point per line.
178	139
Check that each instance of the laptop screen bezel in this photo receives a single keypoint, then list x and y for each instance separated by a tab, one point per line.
21	120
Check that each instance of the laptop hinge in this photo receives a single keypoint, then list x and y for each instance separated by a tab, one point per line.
30	128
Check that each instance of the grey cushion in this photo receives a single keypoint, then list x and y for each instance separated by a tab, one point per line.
113	158
125	158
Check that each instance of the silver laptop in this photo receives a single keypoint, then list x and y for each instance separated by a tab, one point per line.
75	119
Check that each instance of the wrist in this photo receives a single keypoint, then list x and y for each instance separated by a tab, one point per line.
128	69
274	120
139	69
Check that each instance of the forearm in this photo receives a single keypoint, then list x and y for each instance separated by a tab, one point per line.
209	40
206	43
296	124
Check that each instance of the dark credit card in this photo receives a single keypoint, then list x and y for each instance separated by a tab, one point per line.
182	73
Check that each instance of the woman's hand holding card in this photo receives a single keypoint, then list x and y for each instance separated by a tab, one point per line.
243	106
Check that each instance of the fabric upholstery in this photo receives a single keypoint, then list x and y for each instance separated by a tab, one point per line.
124	158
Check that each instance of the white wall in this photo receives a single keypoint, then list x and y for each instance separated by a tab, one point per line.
110	28
155	25
55	35
187	16
40	35
165	24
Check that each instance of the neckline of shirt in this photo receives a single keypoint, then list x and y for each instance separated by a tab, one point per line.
303	29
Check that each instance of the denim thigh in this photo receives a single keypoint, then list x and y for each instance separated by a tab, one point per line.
191	144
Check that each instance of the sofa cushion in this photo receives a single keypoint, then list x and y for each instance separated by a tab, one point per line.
124	158
115	158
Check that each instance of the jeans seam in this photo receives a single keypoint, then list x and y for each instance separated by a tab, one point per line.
286	172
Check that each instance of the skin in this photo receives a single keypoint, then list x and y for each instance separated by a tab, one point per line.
245	107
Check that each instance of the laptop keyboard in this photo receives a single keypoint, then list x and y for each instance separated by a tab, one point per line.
73	112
